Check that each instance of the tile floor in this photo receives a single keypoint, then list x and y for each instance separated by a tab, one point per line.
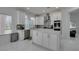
25	45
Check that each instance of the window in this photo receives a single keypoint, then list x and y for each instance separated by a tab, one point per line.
8	24
5	24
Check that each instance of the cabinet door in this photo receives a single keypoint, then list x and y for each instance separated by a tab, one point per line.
45	40
53	42
56	15
52	19
59	16
36	21
39	40
21	34
41	20
35	36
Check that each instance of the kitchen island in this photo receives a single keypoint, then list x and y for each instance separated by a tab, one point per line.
47	38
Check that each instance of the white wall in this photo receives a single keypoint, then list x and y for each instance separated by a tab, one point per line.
75	19
65	24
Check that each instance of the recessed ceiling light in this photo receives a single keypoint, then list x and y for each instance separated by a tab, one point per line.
28	8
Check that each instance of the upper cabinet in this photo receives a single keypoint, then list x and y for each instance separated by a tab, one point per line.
55	16
39	20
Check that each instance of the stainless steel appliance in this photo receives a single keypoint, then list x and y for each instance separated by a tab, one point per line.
57	25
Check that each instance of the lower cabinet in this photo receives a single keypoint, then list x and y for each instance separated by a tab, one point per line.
39	38
50	41
21	34
53	45
47	40
35	36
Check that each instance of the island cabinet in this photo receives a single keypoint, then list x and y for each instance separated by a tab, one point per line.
53	42
46	39
34	36
37	37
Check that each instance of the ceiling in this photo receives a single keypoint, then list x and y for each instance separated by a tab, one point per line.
38	10
43	10
75	11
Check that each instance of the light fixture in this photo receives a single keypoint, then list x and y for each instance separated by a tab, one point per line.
28	8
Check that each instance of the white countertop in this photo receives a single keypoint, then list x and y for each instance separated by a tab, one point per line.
1	34
50	31
8	33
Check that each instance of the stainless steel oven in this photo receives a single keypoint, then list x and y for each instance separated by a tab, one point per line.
57	25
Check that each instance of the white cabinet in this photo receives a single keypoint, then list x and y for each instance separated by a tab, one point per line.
40	20
37	37
55	16
36	20
45	40
53	45
50	41
52	19
21	34
39	40
34	36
